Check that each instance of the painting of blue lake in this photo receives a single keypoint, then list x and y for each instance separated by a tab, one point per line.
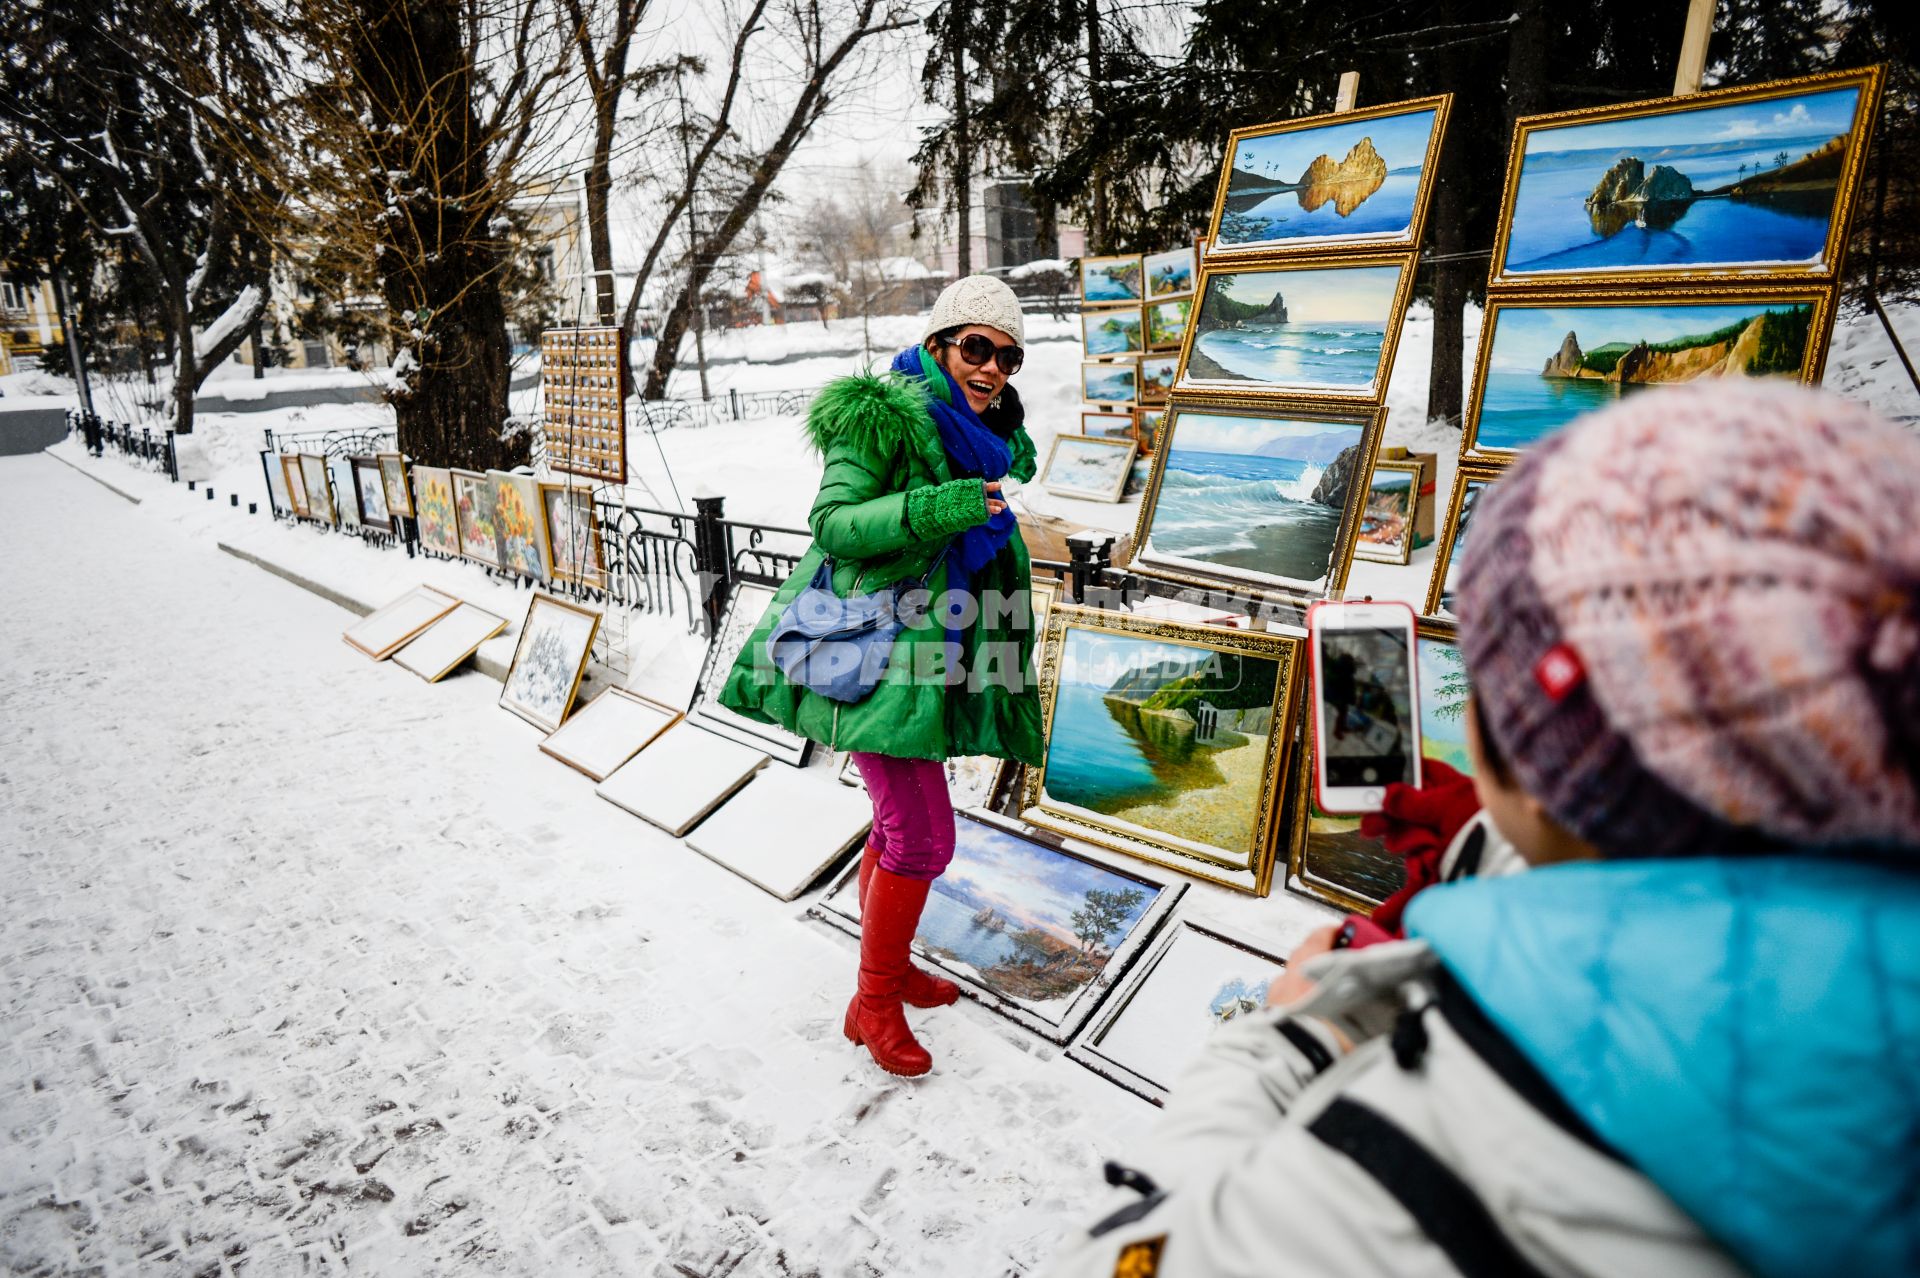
1358	181
1110	279
1115	332
1744	184
1110	383
1170	274
1006	908
1240	492
1321	329
1547	365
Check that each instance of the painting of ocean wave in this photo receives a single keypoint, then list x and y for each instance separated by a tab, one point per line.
1296	330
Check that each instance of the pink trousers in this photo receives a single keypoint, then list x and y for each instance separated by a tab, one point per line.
912	813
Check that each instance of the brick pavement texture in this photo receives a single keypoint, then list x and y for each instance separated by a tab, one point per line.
310	967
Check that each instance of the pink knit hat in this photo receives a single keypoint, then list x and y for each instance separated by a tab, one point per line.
1692	622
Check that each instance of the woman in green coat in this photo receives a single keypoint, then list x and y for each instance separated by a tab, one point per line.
911	487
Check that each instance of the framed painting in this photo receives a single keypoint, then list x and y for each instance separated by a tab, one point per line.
340	471
1329	859
1262	500
313	478
381	632
1110	381
1544	361
1147	424
744	610
1387	520
393	477
1195	979
474	517
277	499
685	774
1034	926
1167	323
1107	425
1111	279
519	524
819	822
1359	179
370	491
1088	467
437	651
1321	329
1166	740
1113	331
436	521
574	552
1469	482
1169	274
1137	478
293	476
609	730
555	641
1156	377
1751	183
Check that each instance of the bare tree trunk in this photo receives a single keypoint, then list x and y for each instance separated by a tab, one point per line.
1097	233
606	80
962	149
453	409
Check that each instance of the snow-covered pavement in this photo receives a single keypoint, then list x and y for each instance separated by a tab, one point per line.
307	966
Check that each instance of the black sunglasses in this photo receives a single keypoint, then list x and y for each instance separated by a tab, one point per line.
977	349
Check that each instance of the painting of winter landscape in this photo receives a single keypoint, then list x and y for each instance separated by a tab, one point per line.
1546	365
1738	185
1194	982
555	641
1162	744
1293	330
1357	181
1255	498
1335	857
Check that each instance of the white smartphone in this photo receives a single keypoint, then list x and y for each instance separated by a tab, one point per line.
1366	716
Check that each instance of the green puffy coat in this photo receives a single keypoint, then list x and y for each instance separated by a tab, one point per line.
888	502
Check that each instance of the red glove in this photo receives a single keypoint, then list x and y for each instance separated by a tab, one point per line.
1417	825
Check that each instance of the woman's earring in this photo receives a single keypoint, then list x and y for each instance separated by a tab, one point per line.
994	402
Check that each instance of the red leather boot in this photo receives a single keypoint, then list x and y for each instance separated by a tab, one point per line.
874	1018
924	989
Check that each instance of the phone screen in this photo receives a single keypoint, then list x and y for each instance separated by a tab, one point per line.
1366	706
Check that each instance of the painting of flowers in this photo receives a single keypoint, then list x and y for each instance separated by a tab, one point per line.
433	499
555	642
519	524
473	506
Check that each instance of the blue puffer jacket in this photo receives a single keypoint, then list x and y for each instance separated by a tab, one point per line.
1744	1031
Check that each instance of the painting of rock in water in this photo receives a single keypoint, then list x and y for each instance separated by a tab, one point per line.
1548	364
1344	181
1338	861
1254	498
1163	744
1296	331
1747	184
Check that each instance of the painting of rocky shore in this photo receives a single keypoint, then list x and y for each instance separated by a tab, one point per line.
1549	364
1255	498
1749	184
1342	181
1166	741
1294	330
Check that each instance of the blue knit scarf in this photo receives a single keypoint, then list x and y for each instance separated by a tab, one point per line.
973	451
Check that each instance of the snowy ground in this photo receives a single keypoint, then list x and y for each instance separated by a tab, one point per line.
309	966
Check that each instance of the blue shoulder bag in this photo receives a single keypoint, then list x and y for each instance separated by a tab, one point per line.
838	647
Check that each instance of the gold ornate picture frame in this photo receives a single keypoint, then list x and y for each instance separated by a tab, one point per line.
1296	329
1112	280
393	474
1546	358
1113	332
1114	381
1393	550
1469	481
1313	184
1722	185
1184	534
1150	749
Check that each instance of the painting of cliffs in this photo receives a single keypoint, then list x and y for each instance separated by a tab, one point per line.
1319	329
1357	181
1739	185
1549	364
1162	740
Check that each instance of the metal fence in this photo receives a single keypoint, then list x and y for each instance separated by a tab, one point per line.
139	443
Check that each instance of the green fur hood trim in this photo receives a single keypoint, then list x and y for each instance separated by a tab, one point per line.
872	414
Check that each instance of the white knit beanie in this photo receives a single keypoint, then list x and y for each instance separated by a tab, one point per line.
977	299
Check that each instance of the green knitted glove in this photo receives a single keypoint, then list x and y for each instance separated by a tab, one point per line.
940	510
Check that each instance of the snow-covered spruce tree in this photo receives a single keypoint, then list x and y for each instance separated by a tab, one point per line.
130	117
419	123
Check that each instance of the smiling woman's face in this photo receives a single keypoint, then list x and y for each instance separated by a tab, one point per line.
979	384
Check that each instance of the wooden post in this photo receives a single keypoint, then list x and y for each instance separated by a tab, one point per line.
1350	86
1693	48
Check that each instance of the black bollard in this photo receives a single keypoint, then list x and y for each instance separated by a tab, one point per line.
209	494
253	508
233	500
189	485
